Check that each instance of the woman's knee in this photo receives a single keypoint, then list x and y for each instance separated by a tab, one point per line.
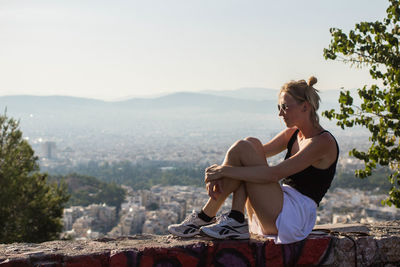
240	146
248	143
244	152
256	144
254	141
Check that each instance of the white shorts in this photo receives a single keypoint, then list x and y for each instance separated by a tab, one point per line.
296	220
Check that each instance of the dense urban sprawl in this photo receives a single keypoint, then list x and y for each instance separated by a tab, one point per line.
151	211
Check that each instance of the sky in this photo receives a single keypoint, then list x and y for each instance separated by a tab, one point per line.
119	48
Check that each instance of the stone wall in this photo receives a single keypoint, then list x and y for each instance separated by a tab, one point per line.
329	245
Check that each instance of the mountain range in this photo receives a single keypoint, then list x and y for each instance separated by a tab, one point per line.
212	111
252	100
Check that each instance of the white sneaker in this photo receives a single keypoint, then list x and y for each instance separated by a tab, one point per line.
227	228
190	226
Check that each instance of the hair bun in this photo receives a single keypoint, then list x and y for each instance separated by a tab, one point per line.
312	80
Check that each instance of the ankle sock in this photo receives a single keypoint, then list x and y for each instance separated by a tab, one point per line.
204	216
236	215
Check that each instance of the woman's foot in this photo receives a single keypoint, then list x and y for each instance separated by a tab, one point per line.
227	228
190	226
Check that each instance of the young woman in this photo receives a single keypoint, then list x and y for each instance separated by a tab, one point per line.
286	210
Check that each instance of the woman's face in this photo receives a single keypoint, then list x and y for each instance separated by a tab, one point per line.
290	109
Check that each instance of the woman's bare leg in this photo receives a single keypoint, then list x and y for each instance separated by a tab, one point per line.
265	200
213	205
247	152
239	198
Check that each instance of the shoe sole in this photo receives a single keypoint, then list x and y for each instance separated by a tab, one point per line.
231	236
182	235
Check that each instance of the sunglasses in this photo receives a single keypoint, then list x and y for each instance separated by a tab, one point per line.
282	107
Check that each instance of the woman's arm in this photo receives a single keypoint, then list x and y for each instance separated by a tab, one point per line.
278	143
311	153
254	174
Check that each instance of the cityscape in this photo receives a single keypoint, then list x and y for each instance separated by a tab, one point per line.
151	211
175	136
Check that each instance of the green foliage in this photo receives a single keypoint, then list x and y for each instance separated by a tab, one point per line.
141	175
374	45
152	206
86	190
31	209
374	183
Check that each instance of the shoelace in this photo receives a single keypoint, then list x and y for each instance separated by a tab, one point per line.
189	218
222	218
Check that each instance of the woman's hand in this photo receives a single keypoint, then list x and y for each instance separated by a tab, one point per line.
214	188
212	173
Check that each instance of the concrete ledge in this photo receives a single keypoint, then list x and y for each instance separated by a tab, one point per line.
377	245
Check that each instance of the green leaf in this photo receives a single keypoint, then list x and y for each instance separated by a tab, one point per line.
373	45
31	208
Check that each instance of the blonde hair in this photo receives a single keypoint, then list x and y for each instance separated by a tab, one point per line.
302	91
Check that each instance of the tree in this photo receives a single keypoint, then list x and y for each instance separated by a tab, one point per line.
374	45
30	208
85	190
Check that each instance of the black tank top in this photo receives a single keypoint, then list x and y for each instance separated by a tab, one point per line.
312	182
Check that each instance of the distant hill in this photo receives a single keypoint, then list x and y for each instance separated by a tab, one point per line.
259	94
26	103
243	110
247	93
247	100
206	102
52	114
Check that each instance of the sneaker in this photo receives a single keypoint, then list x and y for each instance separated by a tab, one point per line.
227	228
190	226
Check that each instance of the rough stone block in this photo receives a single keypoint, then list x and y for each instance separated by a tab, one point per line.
94	260
389	248
314	250
238	253
48	264
46	260
123	258
379	247
15	263
367	249
273	254
167	257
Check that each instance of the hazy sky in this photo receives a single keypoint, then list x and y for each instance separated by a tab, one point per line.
118	48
